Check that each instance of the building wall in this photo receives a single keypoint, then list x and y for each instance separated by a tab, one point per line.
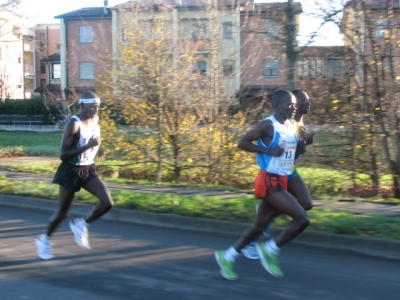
47	41
179	25
14	54
97	52
257	46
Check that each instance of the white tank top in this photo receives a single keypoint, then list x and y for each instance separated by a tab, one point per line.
85	133
285	136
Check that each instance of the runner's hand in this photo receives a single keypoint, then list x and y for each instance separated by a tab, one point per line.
277	151
94	141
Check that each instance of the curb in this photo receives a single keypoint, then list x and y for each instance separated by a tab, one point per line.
374	247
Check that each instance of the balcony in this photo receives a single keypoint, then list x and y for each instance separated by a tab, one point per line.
28	32
29	71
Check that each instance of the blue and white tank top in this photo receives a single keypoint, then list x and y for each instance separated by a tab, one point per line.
285	136
85	133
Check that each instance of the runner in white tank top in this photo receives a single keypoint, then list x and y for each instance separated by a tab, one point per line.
79	146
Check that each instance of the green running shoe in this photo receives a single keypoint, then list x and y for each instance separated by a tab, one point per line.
226	267
269	261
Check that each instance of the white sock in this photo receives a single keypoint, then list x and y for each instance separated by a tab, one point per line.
271	247
83	222
231	254
44	237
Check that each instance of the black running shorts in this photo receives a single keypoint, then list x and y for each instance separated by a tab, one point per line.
72	177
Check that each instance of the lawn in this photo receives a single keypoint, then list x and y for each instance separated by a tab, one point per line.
324	183
29	143
239	209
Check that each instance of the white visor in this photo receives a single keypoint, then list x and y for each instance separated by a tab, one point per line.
89	101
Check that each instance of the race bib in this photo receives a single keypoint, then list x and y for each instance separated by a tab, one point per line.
286	160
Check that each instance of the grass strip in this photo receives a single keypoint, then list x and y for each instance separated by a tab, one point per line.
238	209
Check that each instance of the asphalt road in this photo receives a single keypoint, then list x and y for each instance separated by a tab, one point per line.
137	262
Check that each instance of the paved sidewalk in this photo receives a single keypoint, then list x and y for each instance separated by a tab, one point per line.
351	205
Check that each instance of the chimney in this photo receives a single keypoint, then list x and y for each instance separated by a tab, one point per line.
105	6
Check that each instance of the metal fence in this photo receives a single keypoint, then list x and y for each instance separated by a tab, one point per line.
24	120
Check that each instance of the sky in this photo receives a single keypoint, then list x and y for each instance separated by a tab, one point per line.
43	11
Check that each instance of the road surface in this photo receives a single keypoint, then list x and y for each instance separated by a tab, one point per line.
137	262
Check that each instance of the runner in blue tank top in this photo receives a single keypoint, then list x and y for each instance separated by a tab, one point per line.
296	184
275	137
79	147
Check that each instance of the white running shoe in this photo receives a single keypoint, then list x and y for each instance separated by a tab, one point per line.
81	234
44	250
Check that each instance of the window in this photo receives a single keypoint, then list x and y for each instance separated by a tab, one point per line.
56	71
310	68
200	67
227	67
382	28
85	34
199	31
333	67
271	68
42	82
86	70
228	30
271	29
42	39
19	59
42	67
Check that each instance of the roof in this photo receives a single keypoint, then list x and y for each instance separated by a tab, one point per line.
376	4
259	90
176	3
193	4
79	89
277	6
322	51
49	88
85	13
52	58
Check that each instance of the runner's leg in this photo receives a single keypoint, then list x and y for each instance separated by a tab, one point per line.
265	213
66	199
284	202
98	188
299	190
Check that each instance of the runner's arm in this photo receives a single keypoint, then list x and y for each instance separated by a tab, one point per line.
262	129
